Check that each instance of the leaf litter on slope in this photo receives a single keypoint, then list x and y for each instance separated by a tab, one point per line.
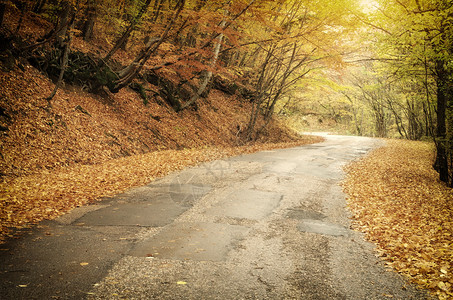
56	157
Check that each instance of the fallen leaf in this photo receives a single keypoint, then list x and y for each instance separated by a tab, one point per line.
444	286
84	264
398	202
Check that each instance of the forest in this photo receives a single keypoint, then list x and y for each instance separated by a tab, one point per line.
376	68
98	96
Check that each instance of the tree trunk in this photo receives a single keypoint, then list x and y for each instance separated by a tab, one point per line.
279	82
67	47
398	119
448	93
88	25
380	126
441	164
127	70
354	114
259	87
23	6
122	40
64	16
134	69
2	11
253	118
207	74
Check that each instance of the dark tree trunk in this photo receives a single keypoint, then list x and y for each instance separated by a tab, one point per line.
37	8
23	7
441	164
260	86
63	24
123	39
381	128
88	25
65	44
2	12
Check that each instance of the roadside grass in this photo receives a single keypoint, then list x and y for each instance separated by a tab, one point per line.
398	201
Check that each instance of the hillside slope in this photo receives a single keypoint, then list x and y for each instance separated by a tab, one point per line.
77	127
81	147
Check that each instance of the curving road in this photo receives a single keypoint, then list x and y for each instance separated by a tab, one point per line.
271	225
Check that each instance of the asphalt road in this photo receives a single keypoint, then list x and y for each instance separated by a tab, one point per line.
271	225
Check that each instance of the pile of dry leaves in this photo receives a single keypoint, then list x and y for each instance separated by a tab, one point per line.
401	205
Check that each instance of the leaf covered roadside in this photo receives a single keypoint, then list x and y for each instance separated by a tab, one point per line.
80	146
398	201
29	199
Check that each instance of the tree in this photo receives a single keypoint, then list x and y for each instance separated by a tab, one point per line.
422	45
131	72
88	23
67	17
207	74
2	11
122	40
300	37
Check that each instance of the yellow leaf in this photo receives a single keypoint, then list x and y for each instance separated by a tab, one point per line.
181	282
445	286
83	263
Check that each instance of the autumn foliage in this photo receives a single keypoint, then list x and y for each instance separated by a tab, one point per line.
401	205
154	86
